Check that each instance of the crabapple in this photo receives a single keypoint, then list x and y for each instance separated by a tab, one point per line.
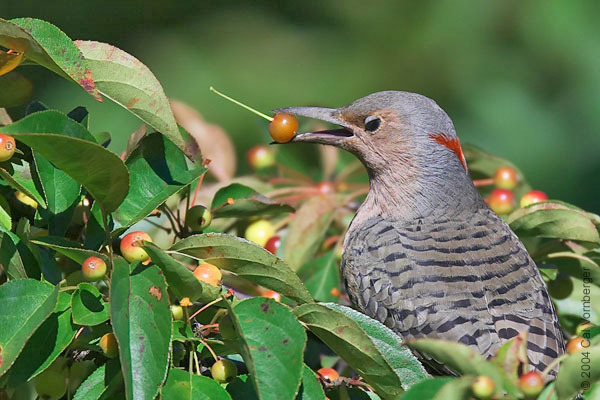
273	244
506	178
283	127
535	196
208	273
223	371
109	346
93	268
131	246
502	201
531	384
198	218
260	157
259	232
328	374
483	387
7	147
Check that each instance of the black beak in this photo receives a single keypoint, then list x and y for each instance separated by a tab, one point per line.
334	137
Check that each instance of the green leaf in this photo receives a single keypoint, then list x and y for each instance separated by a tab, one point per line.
26	304
60	190
141	320
49	121
576	265
247	203
573	376
321	275
426	389
311	388
389	344
182	385
241	388
22	183
459	358
129	83
95	230
73	250
89	308
100	171
247	260
46	344
182	331
307	229
553	219
16	257
158	170
572	306
181	281
101	383
5	219
345	336
62	194
45	44
273	346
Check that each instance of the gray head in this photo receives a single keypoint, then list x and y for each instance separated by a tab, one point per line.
387	127
406	141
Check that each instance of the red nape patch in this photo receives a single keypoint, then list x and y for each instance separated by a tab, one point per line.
451	143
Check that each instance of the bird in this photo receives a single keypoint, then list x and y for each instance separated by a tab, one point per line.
424	254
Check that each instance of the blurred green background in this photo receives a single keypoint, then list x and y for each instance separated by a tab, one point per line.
519	79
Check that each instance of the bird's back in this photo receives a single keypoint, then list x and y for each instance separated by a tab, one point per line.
466	278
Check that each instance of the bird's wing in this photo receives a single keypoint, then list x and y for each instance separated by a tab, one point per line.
466	279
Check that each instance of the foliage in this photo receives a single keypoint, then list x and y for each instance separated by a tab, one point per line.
87	196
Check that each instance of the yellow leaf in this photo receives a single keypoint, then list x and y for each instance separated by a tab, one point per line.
9	61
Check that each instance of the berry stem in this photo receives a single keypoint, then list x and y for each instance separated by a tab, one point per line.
212	352
200	180
483	182
198	372
265	116
204	307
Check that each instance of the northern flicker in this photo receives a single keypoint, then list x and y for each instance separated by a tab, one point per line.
424	254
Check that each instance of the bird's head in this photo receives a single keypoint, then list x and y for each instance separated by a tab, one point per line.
388	130
408	145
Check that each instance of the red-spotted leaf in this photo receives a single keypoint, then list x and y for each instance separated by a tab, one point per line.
554	219
181	281
345	336
245	259
128	82
273	345
45	44
141	320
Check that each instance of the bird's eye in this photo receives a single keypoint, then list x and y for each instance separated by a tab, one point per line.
372	123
